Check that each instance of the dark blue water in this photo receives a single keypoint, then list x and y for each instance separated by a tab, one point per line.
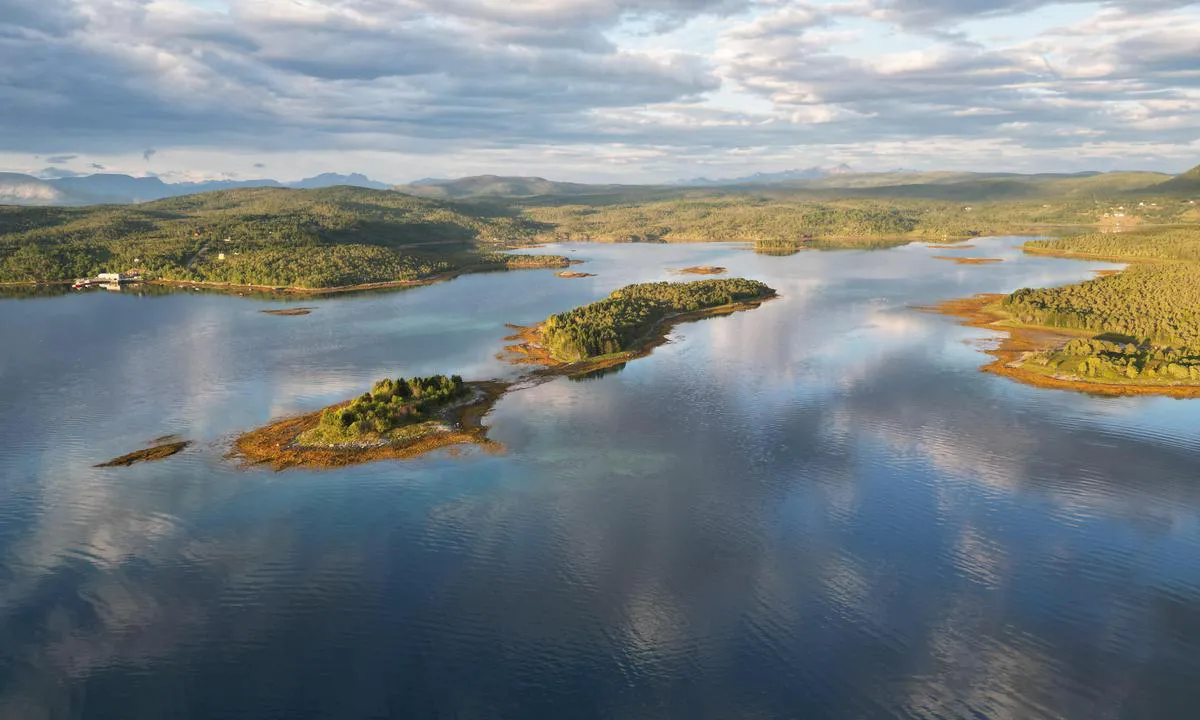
819	508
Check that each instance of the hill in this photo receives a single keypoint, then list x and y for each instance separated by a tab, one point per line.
1188	182
333	179
20	189
495	186
982	187
762	178
833	183
261	236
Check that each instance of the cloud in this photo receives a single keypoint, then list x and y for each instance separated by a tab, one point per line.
926	14
60	159
635	84
148	153
1120	76
53	173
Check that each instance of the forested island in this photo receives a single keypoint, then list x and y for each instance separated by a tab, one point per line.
398	418
406	417
630	322
1132	332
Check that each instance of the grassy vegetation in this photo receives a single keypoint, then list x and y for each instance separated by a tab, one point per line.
392	405
1145	321
261	236
616	323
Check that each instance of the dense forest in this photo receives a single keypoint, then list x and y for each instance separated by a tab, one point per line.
1181	243
777	217
1145	320
262	236
390	405
616	323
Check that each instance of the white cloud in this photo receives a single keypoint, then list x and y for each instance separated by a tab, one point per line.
664	83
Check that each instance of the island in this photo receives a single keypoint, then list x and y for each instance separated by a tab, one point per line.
703	270
628	323
1131	332
570	274
162	448
398	418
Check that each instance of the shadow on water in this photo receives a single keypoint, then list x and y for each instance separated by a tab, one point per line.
597	374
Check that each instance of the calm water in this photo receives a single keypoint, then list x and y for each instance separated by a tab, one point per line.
819	508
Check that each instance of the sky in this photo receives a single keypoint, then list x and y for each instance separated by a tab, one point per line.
595	90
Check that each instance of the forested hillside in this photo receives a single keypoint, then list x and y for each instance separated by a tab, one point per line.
263	236
778	216
1188	182
1146	320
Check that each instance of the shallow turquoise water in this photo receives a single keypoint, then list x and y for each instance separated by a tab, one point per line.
819	508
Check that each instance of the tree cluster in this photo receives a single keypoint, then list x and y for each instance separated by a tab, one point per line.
616	323
391	404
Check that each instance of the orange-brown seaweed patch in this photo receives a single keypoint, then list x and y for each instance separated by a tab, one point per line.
703	270
161	450
969	261
288	312
984	311
572	274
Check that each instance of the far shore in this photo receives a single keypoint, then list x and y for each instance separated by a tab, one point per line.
231	287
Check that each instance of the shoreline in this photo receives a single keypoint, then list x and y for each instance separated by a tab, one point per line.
527	348
274	444
1070	255
359	287
293	291
983	311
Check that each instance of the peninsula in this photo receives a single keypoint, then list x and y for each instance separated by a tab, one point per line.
1133	332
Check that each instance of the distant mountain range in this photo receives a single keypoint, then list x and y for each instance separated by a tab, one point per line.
483	186
812	173
20	189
